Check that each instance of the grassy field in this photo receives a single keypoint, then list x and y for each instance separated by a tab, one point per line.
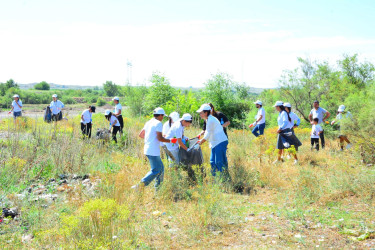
72	193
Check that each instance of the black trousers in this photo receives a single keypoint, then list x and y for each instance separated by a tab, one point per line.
121	121
322	139
114	132
315	141
86	129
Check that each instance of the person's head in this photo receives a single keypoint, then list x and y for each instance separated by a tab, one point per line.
341	109
288	107
186	120
173	117
316	104
116	100
54	97
204	111
213	111
108	114
279	106
92	109
159	114
16	97
258	104
316	121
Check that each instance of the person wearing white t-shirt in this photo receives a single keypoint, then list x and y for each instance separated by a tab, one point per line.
56	107
260	122
172	118
114	124
16	107
175	134
218	141
295	120
322	115
86	121
316	130
118	112
152	135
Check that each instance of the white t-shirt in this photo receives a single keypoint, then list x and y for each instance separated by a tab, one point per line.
152	144
56	107
166	128
177	130
295	120
318	113
315	131
261	112
15	106
112	121
214	132
117	108
86	117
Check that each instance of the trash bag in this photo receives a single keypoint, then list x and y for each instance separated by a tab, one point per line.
60	116
191	157
103	134
47	114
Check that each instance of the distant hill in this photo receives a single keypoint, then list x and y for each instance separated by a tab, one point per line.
56	86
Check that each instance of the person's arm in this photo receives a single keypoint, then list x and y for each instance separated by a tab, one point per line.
161	138
284	119
142	134
225	120
209	128
298	121
182	145
11	109
327	115
260	118
19	105
203	130
226	124
82	119
310	116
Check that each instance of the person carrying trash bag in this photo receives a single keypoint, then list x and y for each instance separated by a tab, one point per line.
285	138
56	107
218	142
114	124
118	112
176	134
86	121
260	122
342	116
223	119
152	135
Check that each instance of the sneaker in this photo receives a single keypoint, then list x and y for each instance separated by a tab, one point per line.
137	187
288	157
349	146
295	162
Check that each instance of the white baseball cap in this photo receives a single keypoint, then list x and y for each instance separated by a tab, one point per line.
54	95
187	117
116	98
107	112
259	102
341	108
159	111
288	105
204	107
278	103
175	116
16	96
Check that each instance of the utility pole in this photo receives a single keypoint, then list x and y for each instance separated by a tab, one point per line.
129	66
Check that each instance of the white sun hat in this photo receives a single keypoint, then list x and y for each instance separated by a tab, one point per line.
187	117
159	111
175	116
259	102
54	95
204	107
16	96
278	103
288	105
116	98
341	108
107	112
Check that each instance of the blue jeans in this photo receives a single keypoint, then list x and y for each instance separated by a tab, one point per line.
156	172
260	128
218	160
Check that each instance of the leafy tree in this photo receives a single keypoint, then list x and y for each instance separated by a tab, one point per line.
159	93
135	97
111	89
42	86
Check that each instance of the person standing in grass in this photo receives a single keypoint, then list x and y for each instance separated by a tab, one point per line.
285	138
56	107
118	112
316	130
260	122
223	119
114	124
342	115
16	107
322	115
152	135
86	121
218	140
176	132
296	121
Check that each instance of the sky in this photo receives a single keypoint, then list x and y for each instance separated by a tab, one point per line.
88	42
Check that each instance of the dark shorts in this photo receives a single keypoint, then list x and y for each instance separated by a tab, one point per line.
17	114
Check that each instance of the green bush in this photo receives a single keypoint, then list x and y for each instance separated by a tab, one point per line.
100	102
